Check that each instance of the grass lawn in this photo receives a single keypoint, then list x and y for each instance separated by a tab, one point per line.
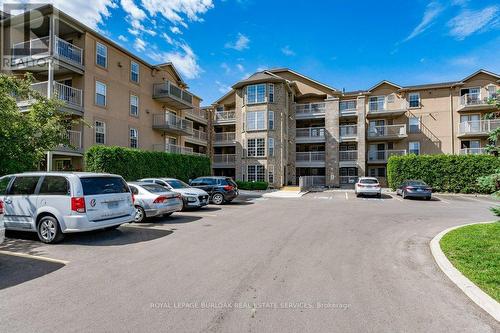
475	251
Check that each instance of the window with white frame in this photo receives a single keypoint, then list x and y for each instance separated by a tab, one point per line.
101	55
134	71
271	120
134	105
271	93
256	173
414	100
100	132
492	91
348	105
414	124
134	138
256	93
414	147
377	103
270	174
256	147
256	121
100	93
271	146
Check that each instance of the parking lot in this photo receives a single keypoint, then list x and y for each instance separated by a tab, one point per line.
325	262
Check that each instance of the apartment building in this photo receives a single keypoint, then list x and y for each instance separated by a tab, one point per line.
120	98
279	125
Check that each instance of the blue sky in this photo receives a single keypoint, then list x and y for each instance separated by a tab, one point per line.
346	44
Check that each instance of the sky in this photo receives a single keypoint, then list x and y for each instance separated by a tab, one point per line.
345	44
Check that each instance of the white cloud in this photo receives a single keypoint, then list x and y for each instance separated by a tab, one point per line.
469	22
240	67
123	38
464	61
167	38
225	67
240	44
183	58
131	8
176	30
174	10
222	88
287	51
431	12
139	45
133	31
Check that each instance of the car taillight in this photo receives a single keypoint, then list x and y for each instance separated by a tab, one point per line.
410	187
133	198
361	185
78	204
1	207
228	188
160	199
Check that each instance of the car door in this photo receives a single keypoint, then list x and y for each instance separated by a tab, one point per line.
20	202
204	184
55	192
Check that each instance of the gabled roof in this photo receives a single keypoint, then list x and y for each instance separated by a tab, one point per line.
384	82
232	91
481	71
277	70
258	77
171	65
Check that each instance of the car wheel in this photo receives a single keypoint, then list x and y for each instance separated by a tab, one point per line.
140	214
403	194
379	195
427	198
218	199
48	230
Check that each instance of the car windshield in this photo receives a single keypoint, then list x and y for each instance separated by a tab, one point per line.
154	188
368	181
176	184
103	185
417	183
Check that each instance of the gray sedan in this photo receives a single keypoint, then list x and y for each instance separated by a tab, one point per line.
154	200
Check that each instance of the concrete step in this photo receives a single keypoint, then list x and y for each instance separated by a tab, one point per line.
290	188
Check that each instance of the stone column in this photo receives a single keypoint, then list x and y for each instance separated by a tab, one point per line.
240	135
332	142
362	146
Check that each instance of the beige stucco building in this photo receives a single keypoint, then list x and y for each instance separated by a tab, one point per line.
278	125
122	100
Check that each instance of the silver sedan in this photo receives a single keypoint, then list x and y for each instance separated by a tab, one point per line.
154	200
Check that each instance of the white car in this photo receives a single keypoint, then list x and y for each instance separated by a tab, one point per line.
367	186
2	227
193	197
154	200
55	203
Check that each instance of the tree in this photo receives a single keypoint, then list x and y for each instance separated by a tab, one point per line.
491	184
494	136
25	137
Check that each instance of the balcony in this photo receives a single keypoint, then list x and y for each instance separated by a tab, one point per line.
31	53
477	128
474	102
310	159
175	149
225	117
169	122
310	110
172	95
310	135
382	156
387	132
225	139
348	180
72	98
348	158
75	143
198	137
472	151
348	133
196	114
348	108
378	109
224	161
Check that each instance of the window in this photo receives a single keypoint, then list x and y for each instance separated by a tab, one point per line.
133	138
100	132
377	103
256	147
414	100
54	185
24	185
101	55
134	105
492	91
271	147
256	121
271	93
414	147
414	124
100	93
271	120
376	172
134	71
256	173
256	93
103	185
348	105
270	174
4	182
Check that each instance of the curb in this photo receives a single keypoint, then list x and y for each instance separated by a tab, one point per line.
478	296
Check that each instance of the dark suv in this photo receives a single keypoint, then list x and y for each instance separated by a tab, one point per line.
220	189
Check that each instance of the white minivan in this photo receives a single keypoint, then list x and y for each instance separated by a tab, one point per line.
55	203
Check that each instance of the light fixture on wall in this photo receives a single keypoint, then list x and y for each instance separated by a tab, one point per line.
120	64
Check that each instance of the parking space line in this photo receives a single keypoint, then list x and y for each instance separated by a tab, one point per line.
474	199
442	200
346	196
29	256
395	196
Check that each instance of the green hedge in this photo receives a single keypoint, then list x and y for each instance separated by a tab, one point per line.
252	185
133	164
444	173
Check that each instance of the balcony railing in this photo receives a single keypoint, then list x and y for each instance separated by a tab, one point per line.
174	149
473	99
199	135
348	131
310	156
310	109
68	51
472	151
224	159
478	126
392	131
348	155
169	91
310	133
381	156
384	106
308	182
197	112
173	122
348	108
225	116
225	137
74	141
39	47
71	97
348	180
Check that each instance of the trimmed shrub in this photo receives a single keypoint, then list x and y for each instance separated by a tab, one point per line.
444	173
252	185
133	164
